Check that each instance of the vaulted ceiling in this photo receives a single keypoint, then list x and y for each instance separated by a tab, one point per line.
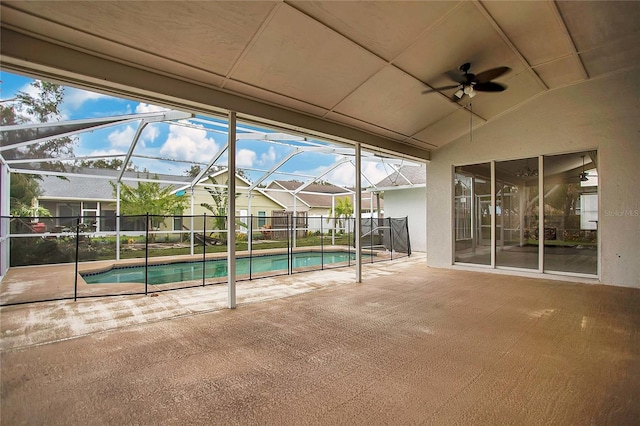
359	65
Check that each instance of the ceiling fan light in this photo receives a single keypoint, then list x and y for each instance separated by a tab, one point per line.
459	94
468	89
471	93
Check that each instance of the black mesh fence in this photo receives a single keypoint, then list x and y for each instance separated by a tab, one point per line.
148	253
385	238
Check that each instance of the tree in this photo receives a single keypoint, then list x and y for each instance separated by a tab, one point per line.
22	192
113	164
42	107
193	171
342	210
149	197
220	197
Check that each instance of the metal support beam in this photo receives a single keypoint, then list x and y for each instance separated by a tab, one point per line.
118	220
132	147
309	182
358	215
231	211
493	211
274	169
5	187
211	163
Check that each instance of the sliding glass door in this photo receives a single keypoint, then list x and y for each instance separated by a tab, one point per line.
567	239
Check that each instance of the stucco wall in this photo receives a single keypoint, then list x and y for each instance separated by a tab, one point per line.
411	202
580	117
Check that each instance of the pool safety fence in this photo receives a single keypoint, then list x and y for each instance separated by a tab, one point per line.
97	243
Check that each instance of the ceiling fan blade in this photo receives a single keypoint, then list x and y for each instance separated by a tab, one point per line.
489	87
438	89
456	76
486	76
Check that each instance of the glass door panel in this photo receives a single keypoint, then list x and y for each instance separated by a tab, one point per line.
517	206
571	213
472	214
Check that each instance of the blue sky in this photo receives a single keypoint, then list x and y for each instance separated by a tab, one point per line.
182	142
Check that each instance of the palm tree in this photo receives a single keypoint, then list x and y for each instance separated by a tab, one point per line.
342	210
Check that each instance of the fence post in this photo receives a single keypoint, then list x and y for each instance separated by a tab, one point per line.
406	223
146	253
391	237
321	245
371	238
250	243
349	241
75	278
204	246
289	251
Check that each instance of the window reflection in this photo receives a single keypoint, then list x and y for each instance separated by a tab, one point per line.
517	218
472	214
571	213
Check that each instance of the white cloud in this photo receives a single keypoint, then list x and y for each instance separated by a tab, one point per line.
142	107
122	138
268	157
75	98
105	152
345	174
150	133
374	172
186	143
245	158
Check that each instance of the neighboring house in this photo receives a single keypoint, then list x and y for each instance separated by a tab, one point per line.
66	198
405	195
317	200
80	195
71	196
261	205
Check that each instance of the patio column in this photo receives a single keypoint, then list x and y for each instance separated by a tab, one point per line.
118	220
5	187
191	241
250	220
357	212
231	211
493	215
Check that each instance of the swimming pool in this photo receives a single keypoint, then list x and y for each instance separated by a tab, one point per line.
214	268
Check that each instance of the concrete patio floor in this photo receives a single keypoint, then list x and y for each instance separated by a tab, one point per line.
409	345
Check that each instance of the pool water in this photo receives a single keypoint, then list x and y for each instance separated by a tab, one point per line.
215	268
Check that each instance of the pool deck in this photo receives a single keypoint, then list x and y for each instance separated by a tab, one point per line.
53	282
408	345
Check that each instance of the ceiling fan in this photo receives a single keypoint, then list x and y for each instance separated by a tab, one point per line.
469	83
584	176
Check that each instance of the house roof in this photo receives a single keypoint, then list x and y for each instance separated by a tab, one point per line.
246	184
314	195
83	187
405	176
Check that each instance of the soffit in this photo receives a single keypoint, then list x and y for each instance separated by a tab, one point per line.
362	65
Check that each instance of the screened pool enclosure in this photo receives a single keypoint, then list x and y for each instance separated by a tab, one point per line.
89	221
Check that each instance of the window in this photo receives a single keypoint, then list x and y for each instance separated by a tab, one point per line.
262	219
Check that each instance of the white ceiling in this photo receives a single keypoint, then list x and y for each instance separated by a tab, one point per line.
359	64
